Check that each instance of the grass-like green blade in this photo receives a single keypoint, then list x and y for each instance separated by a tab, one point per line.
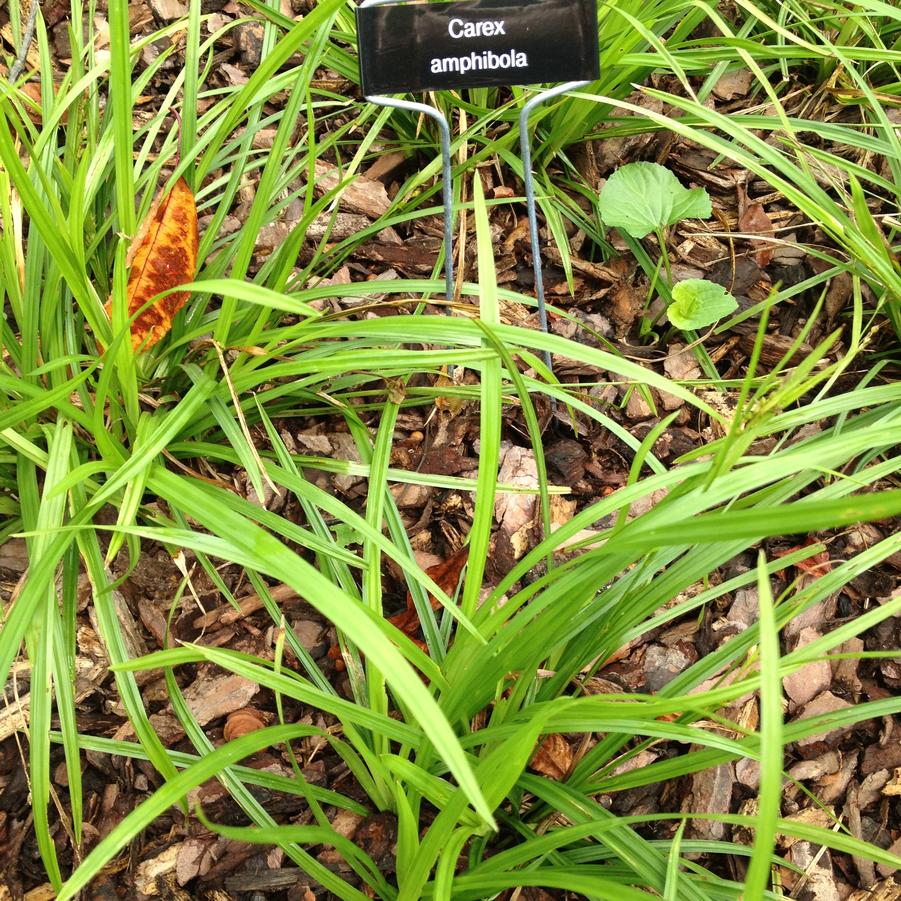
264	553
769	795
490	413
173	791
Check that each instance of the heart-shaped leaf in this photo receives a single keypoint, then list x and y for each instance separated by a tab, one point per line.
698	303
641	198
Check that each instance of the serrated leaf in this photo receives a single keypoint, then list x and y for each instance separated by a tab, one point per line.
698	303
162	255
640	198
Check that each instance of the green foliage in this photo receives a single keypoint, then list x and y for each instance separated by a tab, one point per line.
84	431
698	303
641	198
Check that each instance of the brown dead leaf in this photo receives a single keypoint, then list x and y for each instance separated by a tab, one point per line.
451	405
553	758
445	575
32	90
815	564
162	255
755	221
733	84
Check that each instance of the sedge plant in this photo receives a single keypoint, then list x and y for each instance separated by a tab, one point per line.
442	739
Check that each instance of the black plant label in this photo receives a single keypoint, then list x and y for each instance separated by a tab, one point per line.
412	47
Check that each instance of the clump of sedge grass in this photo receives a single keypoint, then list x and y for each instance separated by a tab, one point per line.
82	431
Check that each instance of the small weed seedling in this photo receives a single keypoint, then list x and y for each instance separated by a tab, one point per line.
641	198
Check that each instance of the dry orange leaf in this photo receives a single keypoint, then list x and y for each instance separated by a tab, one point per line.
445	575
162	255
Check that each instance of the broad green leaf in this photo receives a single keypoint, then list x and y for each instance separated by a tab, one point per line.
641	198
698	303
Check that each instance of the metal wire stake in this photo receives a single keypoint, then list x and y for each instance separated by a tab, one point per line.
525	152
447	187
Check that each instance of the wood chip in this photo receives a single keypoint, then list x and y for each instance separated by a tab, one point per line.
14	555
733	84
817	881
196	856
385	163
887	890
518	467
44	892
876	758
169	9
893	787
816	767
754	220
885	869
346	822
515	513
711	793
212	696
131	635
360	195
149	871
810	816
226	614
827	702
680	363
14	716
338	227
831	787
805	684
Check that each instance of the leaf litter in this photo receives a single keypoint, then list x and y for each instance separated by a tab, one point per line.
589	461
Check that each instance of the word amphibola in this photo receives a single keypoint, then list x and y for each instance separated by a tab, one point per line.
487	59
